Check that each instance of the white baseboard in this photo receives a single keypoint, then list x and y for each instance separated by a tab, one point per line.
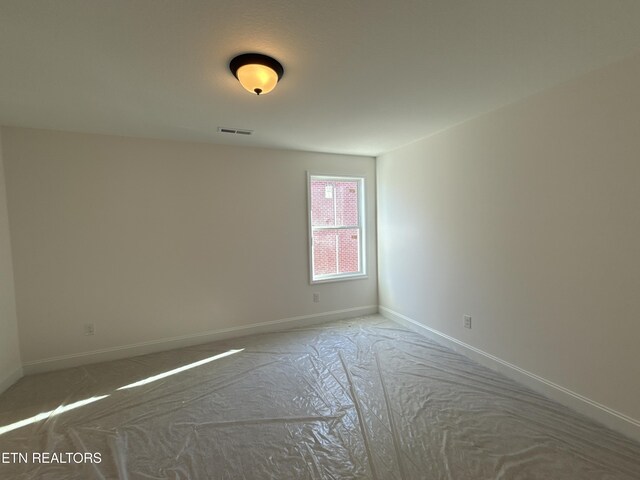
10	379
142	348
601	413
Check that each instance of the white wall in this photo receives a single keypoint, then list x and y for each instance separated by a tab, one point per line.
153	239
528	219
10	364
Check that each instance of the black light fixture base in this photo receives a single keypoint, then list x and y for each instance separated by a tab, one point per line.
255	58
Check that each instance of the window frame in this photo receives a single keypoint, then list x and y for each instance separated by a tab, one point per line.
339	277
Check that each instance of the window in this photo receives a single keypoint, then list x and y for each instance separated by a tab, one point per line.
336	228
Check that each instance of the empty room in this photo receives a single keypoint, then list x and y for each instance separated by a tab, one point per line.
320	240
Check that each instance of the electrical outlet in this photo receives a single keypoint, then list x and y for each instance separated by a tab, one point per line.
89	329
316	298
467	321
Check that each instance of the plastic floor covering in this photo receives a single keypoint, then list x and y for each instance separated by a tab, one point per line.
355	399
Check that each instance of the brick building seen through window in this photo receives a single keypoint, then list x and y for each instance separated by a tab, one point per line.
336	227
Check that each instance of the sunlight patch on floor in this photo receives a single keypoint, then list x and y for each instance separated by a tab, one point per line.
180	369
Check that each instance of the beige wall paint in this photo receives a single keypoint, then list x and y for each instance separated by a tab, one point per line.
528	219
10	363
154	239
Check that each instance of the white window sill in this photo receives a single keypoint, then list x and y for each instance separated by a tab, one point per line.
340	278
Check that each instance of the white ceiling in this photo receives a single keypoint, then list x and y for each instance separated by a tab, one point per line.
361	76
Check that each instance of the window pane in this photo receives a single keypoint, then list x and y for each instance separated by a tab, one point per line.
325	244
322	203
348	246
336	227
346	204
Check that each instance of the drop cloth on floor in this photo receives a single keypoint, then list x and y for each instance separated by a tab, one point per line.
354	399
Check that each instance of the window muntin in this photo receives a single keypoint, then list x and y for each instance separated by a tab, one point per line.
336	227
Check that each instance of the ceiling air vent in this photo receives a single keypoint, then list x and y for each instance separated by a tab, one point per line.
235	131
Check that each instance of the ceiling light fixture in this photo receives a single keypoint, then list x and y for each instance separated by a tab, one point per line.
257	73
